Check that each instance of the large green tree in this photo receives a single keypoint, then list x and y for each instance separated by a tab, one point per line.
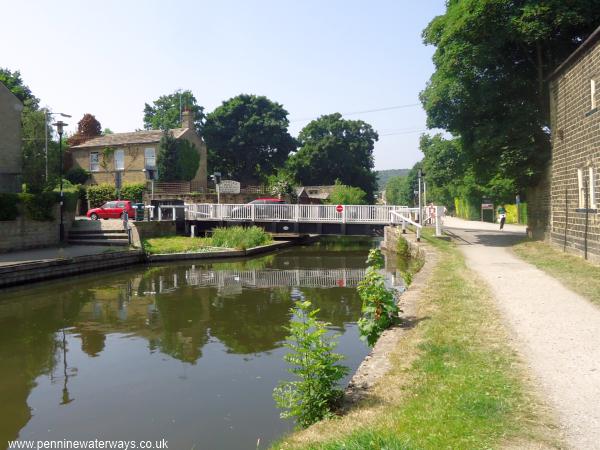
247	138
165	111
177	159
489	87
333	148
14	83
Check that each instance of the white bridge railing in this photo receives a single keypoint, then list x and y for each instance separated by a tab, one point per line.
360	214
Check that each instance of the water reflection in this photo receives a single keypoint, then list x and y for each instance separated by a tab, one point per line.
126	341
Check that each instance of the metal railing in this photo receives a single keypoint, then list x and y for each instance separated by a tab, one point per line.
359	214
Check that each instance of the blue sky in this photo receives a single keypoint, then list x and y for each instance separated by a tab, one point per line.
315	57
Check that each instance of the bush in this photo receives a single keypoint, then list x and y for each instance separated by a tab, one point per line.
240	238
77	175
39	206
347	195
133	192
313	361
402	247
100	194
379	307
8	206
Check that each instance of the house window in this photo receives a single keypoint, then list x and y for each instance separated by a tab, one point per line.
94	162
593	93
592	188
120	159
149	158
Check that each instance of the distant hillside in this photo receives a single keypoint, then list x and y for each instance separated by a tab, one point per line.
384	175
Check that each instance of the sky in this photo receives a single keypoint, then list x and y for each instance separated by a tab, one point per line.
314	57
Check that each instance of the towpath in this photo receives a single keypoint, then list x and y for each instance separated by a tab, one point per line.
556	330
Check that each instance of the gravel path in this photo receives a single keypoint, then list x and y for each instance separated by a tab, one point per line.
556	331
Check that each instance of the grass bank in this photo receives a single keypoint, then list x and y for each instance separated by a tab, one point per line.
238	238
454	382
573	271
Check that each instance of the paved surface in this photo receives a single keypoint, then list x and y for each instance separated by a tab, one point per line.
556	331
48	254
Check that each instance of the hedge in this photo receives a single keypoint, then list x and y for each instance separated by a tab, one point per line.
8	206
102	193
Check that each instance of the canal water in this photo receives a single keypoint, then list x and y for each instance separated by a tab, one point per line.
186	352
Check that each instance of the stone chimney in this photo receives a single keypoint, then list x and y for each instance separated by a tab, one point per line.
187	119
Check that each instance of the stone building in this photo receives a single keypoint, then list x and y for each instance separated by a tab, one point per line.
570	199
11	158
133	154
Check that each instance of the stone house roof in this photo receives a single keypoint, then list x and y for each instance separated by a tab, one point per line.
136	137
317	192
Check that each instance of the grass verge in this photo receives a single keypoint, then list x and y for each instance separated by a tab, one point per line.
238	238
454	383
573	271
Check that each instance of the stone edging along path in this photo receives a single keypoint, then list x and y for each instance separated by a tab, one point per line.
376	364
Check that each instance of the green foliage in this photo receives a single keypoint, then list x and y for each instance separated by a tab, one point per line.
282	185
8	206
77	175
239	237
175	244
87	128
375	258
133	192
247	138
164	113
14	83
311	397
379	307
100	194
333	148
465	209
402	247
397	191
383	176
177	159
512	216
492	62
346	195
39	206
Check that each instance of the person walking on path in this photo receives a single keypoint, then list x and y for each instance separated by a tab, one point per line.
502	215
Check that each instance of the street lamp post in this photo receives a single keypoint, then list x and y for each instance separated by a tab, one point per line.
60	128
46	114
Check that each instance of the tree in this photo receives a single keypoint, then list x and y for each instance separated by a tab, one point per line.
247	138
396	191
332	148
346	195
164	113
490	82
87	128
177	159
14	83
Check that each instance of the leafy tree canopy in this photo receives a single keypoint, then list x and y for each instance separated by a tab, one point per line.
87	128
489	87
164	113
14	83
333	148
177	159
247	138
347	195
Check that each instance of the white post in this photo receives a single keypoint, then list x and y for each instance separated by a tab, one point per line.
344	214
46	135
418	234
403	226
159	213
296	213
174	215
192	230
252	216
439	229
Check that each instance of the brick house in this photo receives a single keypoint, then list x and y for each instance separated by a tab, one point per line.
11	158
567	203
133	153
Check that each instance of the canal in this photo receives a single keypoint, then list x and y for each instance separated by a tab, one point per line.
186	352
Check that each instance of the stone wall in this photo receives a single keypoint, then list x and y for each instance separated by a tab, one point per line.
538	207
576	146
23	233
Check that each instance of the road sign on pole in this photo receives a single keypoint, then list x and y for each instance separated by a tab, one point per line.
339	208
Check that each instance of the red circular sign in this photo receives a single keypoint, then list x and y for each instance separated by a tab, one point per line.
339	208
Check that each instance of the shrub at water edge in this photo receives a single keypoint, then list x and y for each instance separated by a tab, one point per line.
240	238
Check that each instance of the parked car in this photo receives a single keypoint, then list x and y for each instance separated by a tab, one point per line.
112	210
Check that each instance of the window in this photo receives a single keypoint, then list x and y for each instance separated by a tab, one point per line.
121	205
94	162
593	93
150	158
120	159
581	188
592	188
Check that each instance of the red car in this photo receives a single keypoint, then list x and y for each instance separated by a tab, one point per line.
112	210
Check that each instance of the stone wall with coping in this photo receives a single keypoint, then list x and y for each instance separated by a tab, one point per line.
23	233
